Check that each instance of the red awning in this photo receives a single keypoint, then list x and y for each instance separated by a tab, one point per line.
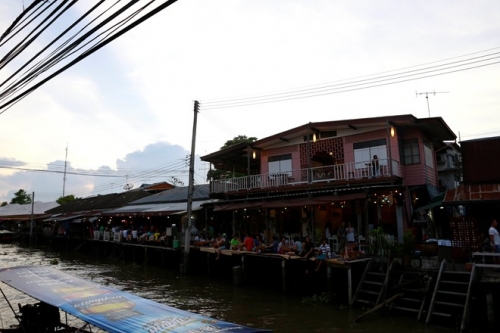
472	194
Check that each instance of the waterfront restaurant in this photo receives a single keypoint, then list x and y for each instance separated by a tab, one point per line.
305	181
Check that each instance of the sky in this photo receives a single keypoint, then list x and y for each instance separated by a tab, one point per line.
124	115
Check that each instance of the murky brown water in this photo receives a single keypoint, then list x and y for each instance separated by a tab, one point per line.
249	306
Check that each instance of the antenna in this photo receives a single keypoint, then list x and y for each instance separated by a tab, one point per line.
427	97
127	185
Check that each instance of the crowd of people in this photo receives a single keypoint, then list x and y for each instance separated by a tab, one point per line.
284	245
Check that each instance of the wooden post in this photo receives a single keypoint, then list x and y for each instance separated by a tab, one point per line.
243	268
284	286
349	285
329	286
208	263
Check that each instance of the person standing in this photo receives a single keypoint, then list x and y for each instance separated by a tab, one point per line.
341	236
375	166
350	233
494	239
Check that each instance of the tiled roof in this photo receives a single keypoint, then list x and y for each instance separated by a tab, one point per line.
472	194
39	208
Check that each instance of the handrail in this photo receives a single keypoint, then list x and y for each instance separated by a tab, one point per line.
326	173
436	288
465	316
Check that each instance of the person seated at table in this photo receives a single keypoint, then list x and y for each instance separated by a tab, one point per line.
248	243
307	248
235	243
220	244
273	248
257	243
323	253
283	245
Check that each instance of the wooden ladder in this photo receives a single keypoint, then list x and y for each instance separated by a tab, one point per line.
452	295
373	284
415	286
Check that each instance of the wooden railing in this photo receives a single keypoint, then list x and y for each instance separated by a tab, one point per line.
327	173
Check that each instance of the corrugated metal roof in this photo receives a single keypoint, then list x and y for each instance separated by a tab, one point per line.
178	194
472	194
39	208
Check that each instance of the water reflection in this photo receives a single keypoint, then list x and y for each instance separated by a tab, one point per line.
249	306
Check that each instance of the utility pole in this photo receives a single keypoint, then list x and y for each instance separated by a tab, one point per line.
32	222
187	231
427	97
65	163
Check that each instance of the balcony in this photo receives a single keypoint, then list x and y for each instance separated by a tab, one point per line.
348	172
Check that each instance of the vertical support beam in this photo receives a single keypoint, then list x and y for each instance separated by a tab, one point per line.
208	263
243	269
329	281
389	149
284	286
349	285
399	223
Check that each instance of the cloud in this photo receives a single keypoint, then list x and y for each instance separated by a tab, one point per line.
155	163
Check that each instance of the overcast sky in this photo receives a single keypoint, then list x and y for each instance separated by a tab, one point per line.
128	109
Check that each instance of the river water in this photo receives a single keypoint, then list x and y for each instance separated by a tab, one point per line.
250	306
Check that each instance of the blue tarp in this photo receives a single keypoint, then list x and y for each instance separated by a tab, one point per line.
108	308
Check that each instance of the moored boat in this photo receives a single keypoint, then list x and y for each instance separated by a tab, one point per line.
6	236
100	306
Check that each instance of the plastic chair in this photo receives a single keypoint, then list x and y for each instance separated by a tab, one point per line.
334	243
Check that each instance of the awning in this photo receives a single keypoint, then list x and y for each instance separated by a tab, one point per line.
155	209
59	218
437	201
323	200
465	194
237	205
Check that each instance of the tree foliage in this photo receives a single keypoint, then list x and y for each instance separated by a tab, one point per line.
239	139
21	197
65	199
215	174
5	203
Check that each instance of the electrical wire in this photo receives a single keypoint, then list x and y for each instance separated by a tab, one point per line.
448	68
13	94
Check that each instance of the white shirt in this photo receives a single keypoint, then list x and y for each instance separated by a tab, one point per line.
496	235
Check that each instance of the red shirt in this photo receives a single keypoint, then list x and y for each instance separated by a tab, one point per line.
248	243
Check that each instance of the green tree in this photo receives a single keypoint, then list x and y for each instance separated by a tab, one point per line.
239	139
5	203
67	198
215	174
21	197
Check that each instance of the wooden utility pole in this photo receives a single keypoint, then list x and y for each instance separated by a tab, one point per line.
187	230
32	222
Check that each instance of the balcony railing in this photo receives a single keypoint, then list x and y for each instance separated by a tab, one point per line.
328	173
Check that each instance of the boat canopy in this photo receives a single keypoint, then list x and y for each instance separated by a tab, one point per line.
108	308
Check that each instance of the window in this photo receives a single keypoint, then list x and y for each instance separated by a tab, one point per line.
280	164
364	151
411	154
428	153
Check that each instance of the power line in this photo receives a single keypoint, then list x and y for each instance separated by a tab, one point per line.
26	83
355	84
